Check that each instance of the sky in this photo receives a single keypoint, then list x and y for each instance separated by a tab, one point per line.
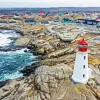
49	3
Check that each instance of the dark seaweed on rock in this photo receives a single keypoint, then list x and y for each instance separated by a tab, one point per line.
30	69
3	83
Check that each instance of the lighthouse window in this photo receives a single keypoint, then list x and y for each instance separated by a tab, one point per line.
82	46
84	66
84	57
83	75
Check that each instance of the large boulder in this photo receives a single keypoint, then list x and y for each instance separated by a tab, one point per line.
47	83
22	41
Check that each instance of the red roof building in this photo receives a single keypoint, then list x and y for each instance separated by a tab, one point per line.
41	12
98	19
4	17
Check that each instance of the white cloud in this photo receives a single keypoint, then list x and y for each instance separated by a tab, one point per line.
49	3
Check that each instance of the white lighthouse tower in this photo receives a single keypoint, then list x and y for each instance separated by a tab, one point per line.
80	73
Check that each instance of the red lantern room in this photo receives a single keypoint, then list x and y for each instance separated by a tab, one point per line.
82	46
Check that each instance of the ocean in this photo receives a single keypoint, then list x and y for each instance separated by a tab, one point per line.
11	62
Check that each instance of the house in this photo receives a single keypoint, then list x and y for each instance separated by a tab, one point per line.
41	13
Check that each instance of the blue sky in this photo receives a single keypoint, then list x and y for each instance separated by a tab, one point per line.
49	3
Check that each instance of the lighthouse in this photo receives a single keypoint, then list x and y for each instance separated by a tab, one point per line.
80	73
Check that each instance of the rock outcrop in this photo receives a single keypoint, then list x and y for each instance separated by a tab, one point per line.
22	41
47	83
50	79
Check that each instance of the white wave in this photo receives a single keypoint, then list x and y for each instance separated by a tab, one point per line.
12	52
7	31
4	40
12	76
22	50
17	52
4	37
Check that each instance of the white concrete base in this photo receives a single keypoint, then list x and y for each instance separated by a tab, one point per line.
79	81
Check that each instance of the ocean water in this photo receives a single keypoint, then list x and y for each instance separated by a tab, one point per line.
11	62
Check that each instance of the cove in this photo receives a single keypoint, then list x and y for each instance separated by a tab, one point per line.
11	62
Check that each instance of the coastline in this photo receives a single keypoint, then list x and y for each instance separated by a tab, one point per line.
52	72
14	48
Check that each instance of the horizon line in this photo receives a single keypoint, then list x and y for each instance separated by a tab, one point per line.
53	7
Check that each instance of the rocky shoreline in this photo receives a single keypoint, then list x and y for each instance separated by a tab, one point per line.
49	79
14	47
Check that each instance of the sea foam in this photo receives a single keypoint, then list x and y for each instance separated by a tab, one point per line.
11	62
5	37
